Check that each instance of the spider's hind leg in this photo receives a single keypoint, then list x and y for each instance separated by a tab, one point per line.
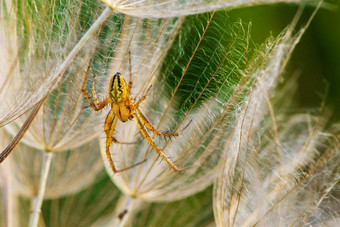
153	145
109	128
149	126
110	122
147	123
118	142
143	97
130	76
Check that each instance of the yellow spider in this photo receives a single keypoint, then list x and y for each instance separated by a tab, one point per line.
124	109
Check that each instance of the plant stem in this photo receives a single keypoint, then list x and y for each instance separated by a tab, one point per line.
7	195
41	191
128	209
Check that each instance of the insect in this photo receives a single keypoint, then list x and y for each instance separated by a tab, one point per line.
124	108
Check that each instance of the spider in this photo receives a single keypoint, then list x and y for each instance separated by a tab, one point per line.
124	108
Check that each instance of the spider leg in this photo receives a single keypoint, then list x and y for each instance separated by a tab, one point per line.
130	76
94	95
109	127
111	121
143	97
127	143
149	126
152	143
95	105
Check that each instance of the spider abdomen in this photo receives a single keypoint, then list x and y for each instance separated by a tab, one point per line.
118	91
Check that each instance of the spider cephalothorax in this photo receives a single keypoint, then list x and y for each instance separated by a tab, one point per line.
124	109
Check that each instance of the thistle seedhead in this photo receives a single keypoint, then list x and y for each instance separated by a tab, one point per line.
275	163
70	170
64	121
231	71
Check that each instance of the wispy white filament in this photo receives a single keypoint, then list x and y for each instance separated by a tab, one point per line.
274	163
202	146
176	8
28	96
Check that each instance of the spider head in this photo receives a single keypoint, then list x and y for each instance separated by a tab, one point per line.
118	91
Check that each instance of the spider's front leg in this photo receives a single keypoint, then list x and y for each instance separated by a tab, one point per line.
95	105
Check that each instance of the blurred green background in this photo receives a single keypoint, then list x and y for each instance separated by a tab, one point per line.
316	57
